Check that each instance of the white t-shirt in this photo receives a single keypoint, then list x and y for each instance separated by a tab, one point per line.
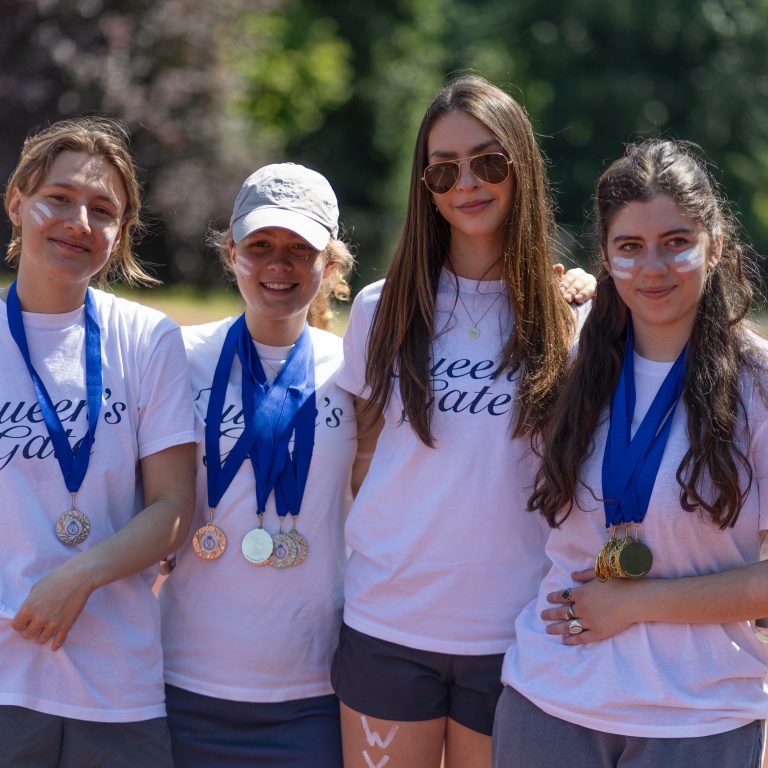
653	679
110	668
244	633
443	554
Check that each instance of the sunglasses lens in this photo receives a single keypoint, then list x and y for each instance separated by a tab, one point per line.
441	177
492	168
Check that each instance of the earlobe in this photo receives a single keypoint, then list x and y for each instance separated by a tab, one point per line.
606	263
14	207
231	253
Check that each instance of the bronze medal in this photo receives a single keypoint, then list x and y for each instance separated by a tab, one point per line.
636	559
301	543
73	527
209	542
302	546
285	551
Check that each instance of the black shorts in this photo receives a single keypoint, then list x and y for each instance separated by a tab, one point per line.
207	732
393	682
31	738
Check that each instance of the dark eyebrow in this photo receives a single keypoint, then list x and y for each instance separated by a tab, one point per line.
73	188
678	231
477	148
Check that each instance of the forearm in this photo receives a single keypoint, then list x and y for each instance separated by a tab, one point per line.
718	598
607	608
155	532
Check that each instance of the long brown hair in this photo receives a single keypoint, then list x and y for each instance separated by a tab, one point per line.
98	137
402	327
719	349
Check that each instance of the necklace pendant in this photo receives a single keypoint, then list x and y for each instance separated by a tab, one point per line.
209	542
73	527
474	332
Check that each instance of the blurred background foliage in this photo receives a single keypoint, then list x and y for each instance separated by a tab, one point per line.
211	91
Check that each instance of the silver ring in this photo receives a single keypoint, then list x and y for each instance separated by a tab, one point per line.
569	611
574	627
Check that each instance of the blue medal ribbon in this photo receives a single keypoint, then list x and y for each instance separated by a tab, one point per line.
270	416
72	461
281	410
630	464
221	475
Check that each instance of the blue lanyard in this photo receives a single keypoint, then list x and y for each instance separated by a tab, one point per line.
630	466
221	475
72	461
270	414
293	479
285	408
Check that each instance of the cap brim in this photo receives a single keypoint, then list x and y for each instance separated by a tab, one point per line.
262	218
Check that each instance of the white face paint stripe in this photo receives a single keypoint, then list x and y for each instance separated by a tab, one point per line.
36	216
622	262
243	265
688	260
44	209
621	274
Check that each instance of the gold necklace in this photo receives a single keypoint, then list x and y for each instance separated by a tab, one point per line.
474	331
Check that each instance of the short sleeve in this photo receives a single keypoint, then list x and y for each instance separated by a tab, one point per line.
351	375
758	448
166	413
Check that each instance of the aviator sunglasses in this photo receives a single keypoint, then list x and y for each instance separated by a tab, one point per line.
490	167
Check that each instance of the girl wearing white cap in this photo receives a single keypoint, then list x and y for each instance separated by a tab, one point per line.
653	480
251	612
455	359
96	464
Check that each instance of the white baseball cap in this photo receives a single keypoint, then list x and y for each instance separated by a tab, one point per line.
287	196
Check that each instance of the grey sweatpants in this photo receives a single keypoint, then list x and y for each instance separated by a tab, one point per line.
524	736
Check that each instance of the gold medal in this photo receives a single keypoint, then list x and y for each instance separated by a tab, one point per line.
636	559
602	562
615	557
301	543
257	545
209	541
73	527
625	558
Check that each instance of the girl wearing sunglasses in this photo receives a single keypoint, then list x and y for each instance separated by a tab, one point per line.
454	360
653	478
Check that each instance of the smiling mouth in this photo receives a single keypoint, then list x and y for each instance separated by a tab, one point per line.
271	286
473	205
69	245
658	292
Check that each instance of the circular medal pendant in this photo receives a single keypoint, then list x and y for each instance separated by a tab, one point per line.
209	542
302	545
285	551
257	546
73	527
602	569
636	559
614	561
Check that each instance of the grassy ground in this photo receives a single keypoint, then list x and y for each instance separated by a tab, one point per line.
188	306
